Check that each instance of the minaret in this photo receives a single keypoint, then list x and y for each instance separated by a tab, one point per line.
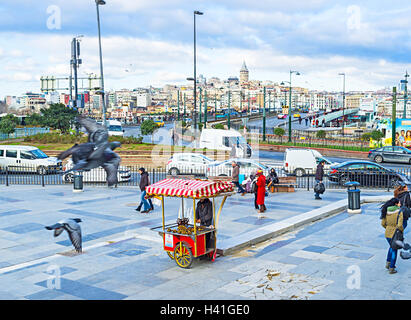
243	74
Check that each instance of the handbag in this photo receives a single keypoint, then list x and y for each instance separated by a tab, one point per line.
398	236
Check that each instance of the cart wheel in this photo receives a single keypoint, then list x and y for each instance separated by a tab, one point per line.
170	254
183	255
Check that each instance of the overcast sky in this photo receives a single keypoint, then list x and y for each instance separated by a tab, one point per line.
150	42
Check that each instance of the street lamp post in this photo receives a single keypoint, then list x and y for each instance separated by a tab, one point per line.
178	105
264	116
343	118
205	108
229	111
98	3
393	115
195	70
289	107
405	94
200	110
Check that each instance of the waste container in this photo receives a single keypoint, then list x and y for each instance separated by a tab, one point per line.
354	204
78	182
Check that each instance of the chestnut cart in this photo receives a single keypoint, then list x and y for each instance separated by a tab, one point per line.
181	240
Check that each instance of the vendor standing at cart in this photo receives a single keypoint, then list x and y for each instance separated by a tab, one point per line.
204	215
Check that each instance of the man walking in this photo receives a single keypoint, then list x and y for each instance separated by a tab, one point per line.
319	174
236	177
144	182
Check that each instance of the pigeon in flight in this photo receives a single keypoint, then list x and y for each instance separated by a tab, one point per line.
73	229
94	153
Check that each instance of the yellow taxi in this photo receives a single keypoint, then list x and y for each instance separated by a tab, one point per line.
296	115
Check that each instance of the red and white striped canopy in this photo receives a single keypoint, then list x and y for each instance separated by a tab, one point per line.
189	188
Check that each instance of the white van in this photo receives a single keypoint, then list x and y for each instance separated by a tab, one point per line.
219	139
302	161
27	159
114	128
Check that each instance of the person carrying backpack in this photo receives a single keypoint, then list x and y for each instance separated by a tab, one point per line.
391	221
402	194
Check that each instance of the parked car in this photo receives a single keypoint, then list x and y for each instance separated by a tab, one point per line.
188	163
302	161
96	175
367	173
28	159
390	154
225	168
282	116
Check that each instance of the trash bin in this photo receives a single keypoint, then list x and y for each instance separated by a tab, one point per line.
78	182
354	204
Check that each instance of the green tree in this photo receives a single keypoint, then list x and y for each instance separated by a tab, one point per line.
12	118
148	127
321	134
35	119
7	126
279	131
219	126
377	136
58	116
366	136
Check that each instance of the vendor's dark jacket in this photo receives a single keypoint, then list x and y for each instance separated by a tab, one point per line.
319	173
144	181
204	212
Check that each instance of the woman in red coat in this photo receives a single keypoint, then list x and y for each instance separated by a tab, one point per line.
261	191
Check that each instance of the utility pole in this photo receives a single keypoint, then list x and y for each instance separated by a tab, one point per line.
229	110
199	121
205	108
405	95
215	105
394	115
178	105
264	117
248	103
75	63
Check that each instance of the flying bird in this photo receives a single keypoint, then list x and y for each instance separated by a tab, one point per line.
98	151
73	229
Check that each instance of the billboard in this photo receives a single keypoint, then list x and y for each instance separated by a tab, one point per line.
402	132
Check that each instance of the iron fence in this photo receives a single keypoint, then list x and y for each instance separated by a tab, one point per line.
129	176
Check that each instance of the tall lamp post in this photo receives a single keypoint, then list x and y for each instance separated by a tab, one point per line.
405	94
100	3
289	108
343	118
195	71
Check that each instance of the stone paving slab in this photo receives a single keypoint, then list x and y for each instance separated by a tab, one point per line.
124	259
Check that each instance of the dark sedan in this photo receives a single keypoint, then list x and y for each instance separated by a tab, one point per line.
367	174
390	154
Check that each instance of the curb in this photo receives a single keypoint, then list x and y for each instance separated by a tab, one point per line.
229	246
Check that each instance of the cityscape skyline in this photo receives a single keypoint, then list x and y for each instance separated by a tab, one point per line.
150	44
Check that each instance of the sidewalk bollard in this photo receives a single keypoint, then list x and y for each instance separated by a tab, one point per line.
78	182
354	204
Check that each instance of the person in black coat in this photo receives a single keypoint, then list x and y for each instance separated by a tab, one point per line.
319	174
204	216
144	182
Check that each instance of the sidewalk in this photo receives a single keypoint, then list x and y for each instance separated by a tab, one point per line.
122	257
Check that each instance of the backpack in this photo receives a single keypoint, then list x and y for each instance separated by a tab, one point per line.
254	186
384	207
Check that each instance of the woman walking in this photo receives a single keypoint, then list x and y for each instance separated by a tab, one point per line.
391	221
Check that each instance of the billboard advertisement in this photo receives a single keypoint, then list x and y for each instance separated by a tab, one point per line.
402	132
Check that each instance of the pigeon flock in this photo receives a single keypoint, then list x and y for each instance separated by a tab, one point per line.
96	152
